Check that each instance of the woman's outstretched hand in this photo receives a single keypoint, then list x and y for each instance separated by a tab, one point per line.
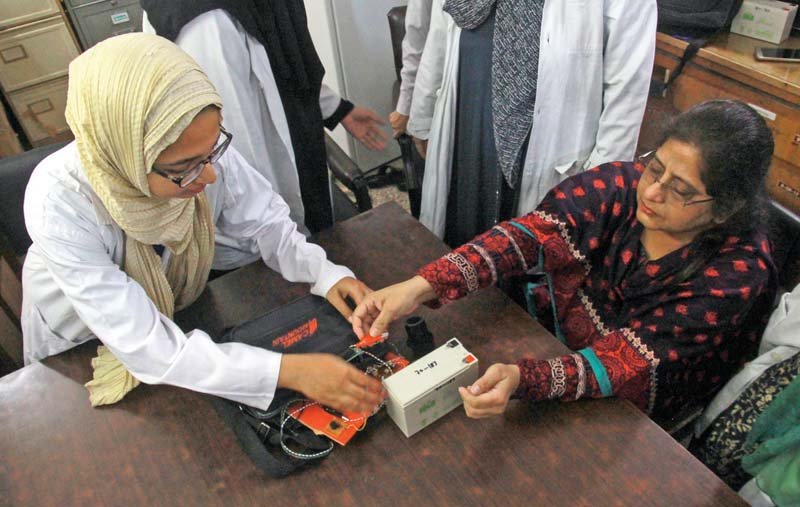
380	308
489	395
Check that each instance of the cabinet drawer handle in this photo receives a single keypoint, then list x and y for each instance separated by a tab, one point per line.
113	3
13	53
40	107
766	113
796	139
120	32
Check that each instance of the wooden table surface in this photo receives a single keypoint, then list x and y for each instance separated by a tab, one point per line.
733	55
163	445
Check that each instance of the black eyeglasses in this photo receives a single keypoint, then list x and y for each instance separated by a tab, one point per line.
185	178
654	170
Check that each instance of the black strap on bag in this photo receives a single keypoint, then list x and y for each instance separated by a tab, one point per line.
696	21
275	442
658	89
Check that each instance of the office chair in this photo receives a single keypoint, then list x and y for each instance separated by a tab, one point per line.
14	241
345	170
413	163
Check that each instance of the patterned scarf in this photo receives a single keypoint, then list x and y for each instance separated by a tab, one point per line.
515	60
129	98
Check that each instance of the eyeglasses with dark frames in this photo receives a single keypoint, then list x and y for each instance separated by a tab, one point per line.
654	170
185	178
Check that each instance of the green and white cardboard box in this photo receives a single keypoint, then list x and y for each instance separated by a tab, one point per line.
427	389
768	20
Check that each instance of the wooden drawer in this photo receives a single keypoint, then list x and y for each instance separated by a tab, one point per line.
17	12
40	109
783	184
697	85
35	53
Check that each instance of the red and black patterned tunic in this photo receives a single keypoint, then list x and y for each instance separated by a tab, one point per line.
638	333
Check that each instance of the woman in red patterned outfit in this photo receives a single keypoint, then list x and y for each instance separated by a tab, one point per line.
661	277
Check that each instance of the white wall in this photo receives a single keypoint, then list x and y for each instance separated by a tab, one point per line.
319	15
352	39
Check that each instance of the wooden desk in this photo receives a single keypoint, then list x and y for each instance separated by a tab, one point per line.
163	445
727	68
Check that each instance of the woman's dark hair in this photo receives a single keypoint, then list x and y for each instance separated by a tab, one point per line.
735	147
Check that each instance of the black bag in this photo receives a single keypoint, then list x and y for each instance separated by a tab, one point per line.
696	21
696	18
276	443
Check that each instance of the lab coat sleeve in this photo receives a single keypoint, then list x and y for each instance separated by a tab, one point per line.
429	74
333	107
118	311
418	21
254	212
630	40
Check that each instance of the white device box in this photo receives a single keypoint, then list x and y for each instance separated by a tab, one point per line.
768	20
427	389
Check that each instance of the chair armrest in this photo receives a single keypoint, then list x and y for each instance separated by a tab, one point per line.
346	171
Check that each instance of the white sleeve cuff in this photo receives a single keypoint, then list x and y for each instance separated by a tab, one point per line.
329	275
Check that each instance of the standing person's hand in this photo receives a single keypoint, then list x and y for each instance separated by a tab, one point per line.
489	394
364	124
378	309
398	122
347	287
331	381
422	147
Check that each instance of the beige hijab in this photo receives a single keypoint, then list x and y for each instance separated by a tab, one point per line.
129	98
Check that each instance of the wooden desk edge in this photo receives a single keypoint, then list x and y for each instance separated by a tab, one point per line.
669	51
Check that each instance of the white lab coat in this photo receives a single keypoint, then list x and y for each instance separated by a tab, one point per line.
74	289
595	62
417	23
781	341
238	66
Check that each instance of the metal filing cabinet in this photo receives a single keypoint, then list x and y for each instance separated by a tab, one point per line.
95	20
36	46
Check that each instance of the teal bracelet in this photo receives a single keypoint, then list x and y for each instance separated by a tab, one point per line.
599	371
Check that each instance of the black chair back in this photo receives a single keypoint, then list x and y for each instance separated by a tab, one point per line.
397	30
14	175
785	237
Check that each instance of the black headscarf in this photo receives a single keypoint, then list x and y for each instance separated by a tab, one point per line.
281	27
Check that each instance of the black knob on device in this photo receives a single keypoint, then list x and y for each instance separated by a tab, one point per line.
420	339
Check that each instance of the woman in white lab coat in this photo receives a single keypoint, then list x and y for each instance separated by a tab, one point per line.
417	24
260	57
594	64
128	220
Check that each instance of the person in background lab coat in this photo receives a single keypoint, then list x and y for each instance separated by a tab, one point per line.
512	97
260	57
128	220
417	22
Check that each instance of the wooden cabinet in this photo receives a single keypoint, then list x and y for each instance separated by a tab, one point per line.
36	47
727	68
